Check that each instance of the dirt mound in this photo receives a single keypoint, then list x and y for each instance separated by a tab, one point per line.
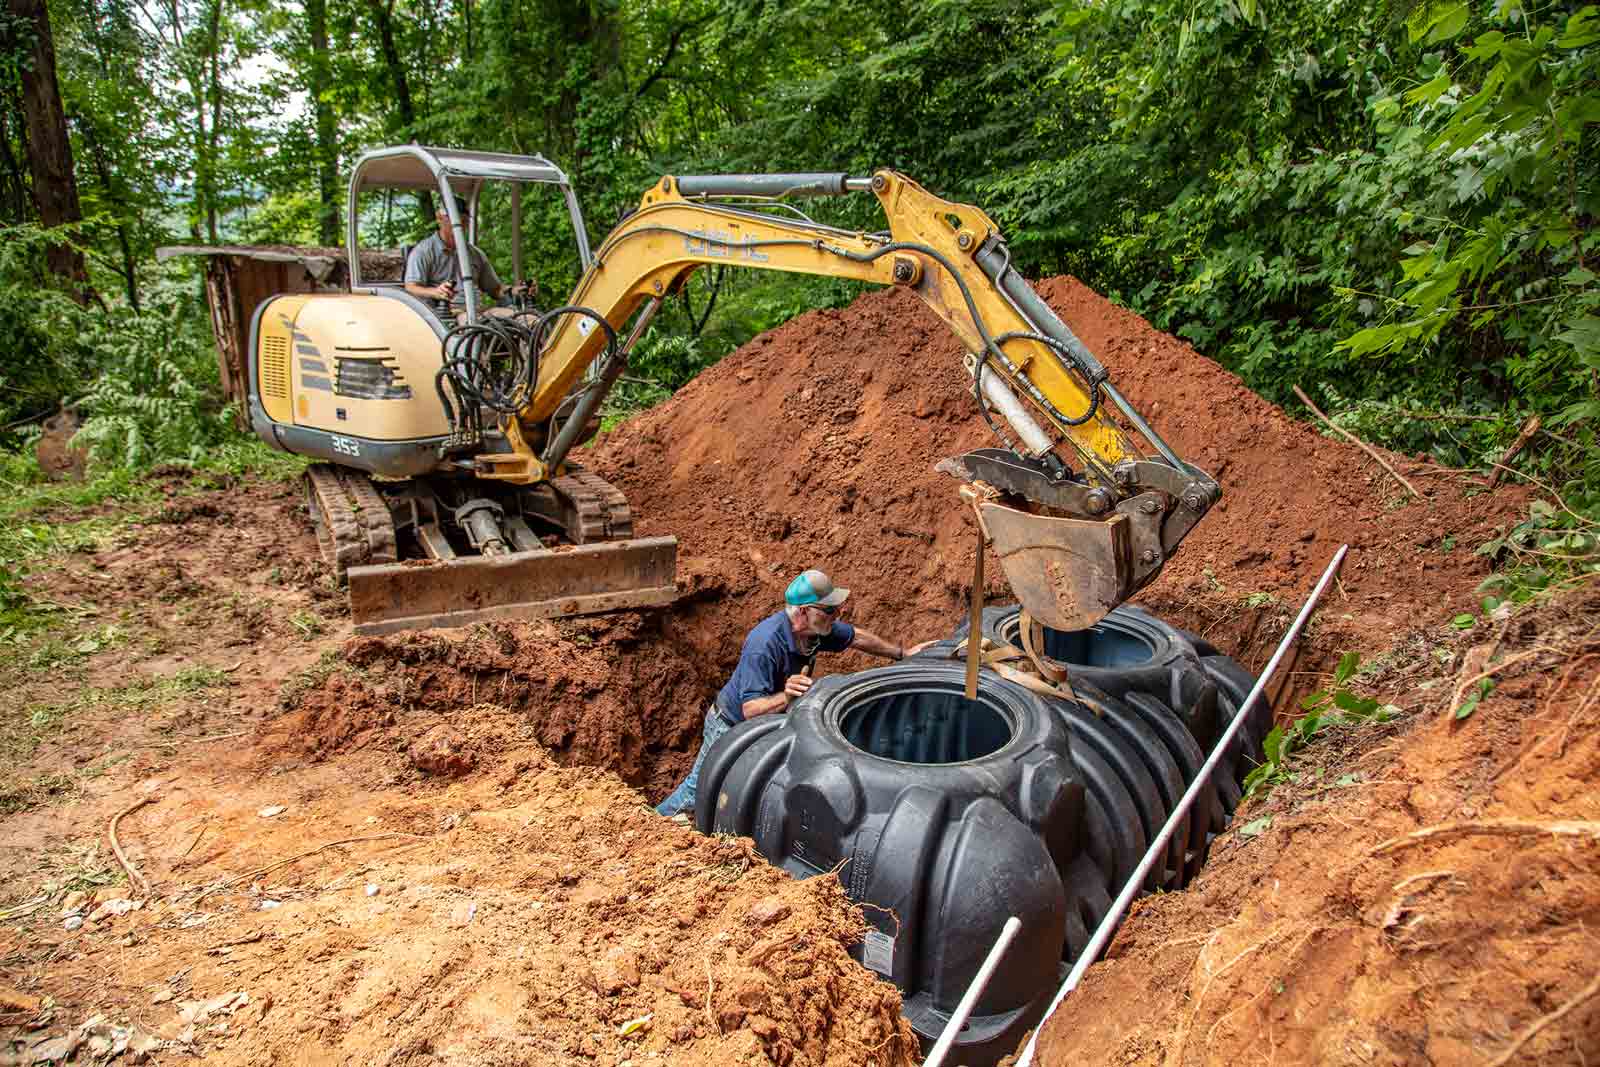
814	445
1424	893
527	914
614	692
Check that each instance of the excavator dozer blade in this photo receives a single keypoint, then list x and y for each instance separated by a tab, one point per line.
586	580
1067	573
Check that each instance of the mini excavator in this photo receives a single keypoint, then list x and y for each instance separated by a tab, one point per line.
444	491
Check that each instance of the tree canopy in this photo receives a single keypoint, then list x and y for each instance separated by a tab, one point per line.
1391	204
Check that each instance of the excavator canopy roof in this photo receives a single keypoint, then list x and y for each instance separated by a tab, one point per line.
413	166
458	172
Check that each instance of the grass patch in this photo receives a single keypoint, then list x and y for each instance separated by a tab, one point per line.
24	729
26	491
35	792
307	624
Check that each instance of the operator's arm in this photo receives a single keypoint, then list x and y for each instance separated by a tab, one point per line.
488	280
418	269
870	643
431	292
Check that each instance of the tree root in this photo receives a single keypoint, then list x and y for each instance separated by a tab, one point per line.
1586	994
1500	827
136	881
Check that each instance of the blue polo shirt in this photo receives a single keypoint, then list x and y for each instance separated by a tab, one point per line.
769	657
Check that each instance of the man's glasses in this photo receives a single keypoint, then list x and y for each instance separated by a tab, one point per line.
829	611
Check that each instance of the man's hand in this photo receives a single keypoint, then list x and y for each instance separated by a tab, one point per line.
444	291
796	685
914	649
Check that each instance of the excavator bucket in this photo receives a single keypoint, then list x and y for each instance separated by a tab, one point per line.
1067	573
583	580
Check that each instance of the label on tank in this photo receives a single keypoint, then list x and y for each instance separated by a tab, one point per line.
877	953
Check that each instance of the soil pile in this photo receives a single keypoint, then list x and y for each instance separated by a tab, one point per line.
814	445
527	913
606	692
1425	893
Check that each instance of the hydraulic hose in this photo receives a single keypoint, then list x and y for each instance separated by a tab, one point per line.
494	363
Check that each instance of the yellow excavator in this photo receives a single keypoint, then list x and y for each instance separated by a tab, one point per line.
445	493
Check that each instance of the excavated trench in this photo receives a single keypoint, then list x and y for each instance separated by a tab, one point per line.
943	815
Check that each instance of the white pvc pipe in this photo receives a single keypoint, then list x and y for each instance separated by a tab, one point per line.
1158	847
969	999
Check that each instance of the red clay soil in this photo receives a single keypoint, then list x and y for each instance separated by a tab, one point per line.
1425	894
601	692
814	445
541	909
525	913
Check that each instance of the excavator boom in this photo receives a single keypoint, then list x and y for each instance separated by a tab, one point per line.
1079	516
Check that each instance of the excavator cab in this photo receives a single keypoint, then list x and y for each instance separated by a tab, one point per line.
495	188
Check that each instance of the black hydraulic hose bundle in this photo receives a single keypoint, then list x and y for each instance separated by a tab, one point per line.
494	363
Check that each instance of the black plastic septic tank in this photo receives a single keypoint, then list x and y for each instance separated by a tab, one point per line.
947	815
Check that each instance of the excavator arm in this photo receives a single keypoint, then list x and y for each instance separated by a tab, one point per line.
1079	516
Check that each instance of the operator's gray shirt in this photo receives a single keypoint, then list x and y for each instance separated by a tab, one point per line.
431	263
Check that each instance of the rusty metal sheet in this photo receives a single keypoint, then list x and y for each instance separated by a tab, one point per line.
1067	573
587	580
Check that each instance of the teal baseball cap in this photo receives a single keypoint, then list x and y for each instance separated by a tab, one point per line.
814	587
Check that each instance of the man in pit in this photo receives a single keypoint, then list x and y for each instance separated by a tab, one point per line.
433	271
775	666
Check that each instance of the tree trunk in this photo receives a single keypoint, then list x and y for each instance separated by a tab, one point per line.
16	186
214	93
55	189
327	148
383	16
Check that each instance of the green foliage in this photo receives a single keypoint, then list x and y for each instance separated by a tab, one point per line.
42	357
1553	547
1389	205
1322	710
154	399
1502	258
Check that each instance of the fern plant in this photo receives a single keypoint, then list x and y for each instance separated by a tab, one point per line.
154	399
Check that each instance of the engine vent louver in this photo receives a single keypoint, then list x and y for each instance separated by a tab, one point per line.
275	367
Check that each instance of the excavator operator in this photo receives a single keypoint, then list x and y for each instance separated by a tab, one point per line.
433	272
